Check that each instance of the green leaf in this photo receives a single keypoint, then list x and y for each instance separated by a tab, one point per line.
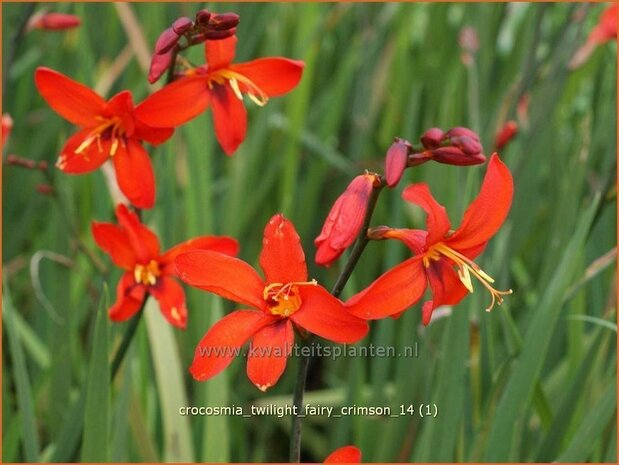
96	438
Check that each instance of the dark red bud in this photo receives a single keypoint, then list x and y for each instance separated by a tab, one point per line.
468	145
21	162
53	21
222	21
432	138
182	25
203	17
395	162
159	65
218	35
166	41
460	132
456	156
43	165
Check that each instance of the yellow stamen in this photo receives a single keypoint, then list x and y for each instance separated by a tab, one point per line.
147	274
284	299
466	268
256	95
114	125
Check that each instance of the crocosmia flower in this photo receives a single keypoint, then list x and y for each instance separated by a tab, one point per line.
346	454
281	301
345	219
221	84
441	257
108	130
135	248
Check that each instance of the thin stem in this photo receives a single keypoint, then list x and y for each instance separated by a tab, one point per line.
299	389
170	75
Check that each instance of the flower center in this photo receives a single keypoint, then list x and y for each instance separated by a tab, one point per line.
109	127
256	95
284	299
466	269
147	274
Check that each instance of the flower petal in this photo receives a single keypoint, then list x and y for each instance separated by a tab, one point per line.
437	221
282	258
221	244
273	76
175	103
222	342
447	289
73	101
219	53
346	454
393	292
115	242
143	241
229	117
221	274
129	298
171	297
270	348
89	159
134	173
154	136
488	211
324	315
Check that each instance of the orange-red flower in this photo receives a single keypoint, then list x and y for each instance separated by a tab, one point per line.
108	130
221	84
135	248
283	300
346	454
438	251
345	219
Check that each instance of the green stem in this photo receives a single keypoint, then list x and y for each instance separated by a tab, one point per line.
126	341
299	389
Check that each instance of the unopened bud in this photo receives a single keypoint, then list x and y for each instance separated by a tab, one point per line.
456	156
222	21
53	21
21	162
432	138
203	17
218	35
505	134
7	127
182	25
468	145
166	41
159	65
395	161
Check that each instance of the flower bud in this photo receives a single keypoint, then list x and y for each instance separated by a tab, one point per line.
460	132
223	21
505	134
395	161
159	64
218	35
467	144
53	21
203	17
166	41
345	220
182	25
7	126
456	156
432	138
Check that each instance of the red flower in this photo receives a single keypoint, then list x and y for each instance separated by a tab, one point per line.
605	30
7	127
346	454
221	84
53	21
107	130
437	251
283	300
135	248
345	219
505	134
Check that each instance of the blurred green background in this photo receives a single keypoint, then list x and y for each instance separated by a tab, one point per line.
535	380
